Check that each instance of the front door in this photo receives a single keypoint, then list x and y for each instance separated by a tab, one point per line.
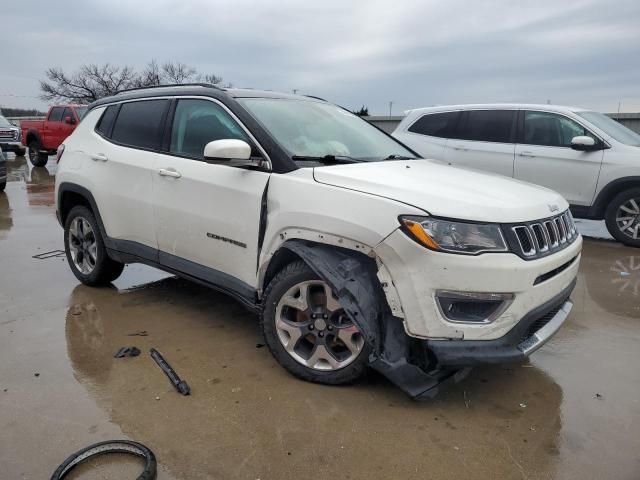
207	215
545	157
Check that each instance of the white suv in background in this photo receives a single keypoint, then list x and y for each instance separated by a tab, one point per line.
591	159
353	251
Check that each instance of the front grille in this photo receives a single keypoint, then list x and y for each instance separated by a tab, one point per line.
8	134
544	237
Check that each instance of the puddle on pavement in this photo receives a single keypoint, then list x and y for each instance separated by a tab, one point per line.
247	418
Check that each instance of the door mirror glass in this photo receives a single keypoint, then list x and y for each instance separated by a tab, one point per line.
228	151
583	142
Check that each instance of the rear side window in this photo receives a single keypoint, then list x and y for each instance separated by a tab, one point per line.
198	122
106	121
436	124
56	114
487	125
552	130
139	124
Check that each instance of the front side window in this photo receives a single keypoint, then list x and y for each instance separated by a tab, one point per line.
487	125
139	124
198	122
81	111
436	124
309	128
551	130
56	114
68	113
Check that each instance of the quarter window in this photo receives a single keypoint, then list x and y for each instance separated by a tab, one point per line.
56	114
139	124
198	122
436	124
106	121
487	125
551	129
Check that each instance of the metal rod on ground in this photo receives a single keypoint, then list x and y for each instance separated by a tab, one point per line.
180	385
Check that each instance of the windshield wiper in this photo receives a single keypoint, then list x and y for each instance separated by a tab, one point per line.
327	159
399	157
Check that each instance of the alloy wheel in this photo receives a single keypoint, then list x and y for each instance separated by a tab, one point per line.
314	329
82	245
628	218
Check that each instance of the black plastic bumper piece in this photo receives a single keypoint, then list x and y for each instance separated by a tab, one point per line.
456	353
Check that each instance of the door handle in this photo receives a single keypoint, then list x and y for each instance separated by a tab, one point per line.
526	154
169	172
458	147
99	157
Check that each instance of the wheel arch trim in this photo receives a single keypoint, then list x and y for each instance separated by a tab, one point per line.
68	187
609	191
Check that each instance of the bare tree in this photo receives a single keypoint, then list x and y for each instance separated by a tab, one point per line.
92	82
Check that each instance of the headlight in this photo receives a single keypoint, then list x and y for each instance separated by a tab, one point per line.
454	236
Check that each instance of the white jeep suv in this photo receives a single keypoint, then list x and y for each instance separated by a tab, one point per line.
591	159
354	251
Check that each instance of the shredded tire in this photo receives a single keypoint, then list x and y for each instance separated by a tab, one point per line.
110	446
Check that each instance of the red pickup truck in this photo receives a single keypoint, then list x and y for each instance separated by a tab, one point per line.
43	137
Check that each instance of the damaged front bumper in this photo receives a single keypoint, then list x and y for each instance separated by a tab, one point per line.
529	334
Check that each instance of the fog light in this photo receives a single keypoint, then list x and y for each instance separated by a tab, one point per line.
472	307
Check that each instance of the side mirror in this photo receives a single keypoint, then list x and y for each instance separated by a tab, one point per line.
232	152
69	120
583	143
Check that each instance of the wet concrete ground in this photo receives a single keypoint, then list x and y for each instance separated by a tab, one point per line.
572	412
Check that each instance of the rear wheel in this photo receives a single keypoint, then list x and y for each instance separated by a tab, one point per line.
86	253
623	217
36	157
308	331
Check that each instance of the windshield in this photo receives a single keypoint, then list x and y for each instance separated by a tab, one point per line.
81	111
315	129
615	130
4	122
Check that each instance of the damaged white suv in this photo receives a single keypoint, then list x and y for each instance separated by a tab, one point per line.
354	251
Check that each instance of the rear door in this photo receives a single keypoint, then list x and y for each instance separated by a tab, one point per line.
207	215
128	137
484	140
428	134
544	156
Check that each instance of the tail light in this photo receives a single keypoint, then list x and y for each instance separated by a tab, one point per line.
60	152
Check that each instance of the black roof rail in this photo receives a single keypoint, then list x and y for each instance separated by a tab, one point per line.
168	85
314	97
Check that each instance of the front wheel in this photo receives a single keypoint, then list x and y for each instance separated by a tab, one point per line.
20	152
307	330
86	253
623	217
36	157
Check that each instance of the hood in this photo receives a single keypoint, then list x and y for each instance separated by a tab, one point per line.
446	191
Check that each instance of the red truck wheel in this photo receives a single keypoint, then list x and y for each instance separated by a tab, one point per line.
37	158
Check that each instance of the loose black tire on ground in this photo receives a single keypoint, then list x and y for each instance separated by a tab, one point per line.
290	276
86	250
626	199
37	158
21	152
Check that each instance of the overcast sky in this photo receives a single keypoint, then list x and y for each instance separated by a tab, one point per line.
414	53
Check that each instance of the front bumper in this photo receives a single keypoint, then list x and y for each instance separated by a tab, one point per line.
418	274
533	331
11	146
